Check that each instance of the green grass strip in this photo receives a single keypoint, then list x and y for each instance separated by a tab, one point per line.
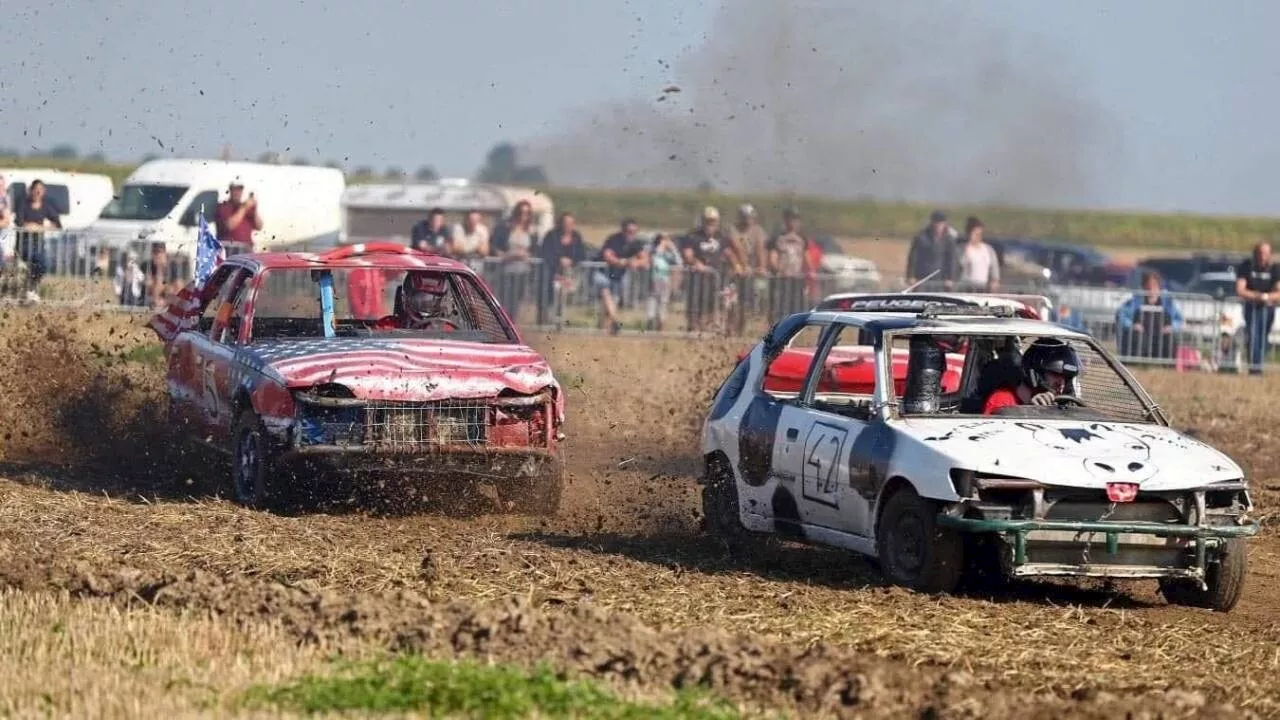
411	683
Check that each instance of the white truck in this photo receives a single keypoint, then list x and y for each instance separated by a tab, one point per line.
159	203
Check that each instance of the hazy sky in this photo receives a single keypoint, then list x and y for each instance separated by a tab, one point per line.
1183	93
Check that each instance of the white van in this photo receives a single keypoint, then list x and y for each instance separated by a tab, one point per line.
80	196
389	211
300	206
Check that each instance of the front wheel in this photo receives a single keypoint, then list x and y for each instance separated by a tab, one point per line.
1224	578
913	550
536	493
250	461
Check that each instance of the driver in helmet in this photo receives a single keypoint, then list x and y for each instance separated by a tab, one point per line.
421	306
1048	368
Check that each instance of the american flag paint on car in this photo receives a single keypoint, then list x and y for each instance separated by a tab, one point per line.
268	358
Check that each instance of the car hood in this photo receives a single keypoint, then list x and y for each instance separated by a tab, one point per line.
400	369
1075	453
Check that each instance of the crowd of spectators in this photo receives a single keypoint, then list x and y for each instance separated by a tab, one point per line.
726	273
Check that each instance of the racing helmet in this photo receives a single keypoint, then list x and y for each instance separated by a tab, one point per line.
1050	355
423	294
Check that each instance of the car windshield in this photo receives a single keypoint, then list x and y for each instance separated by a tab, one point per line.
991	364
143	202
287	306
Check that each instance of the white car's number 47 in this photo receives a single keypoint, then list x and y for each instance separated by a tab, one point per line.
822	451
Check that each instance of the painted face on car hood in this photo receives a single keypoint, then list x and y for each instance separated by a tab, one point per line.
1075	453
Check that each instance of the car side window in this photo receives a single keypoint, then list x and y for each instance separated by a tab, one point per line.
232	314
213	289
220	308
784	377
848	365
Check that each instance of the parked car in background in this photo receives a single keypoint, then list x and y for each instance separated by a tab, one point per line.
850	272
1180	273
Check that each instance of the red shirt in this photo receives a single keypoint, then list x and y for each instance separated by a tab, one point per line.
243	233
1002	397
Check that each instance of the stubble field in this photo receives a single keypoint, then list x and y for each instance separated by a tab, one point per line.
128	587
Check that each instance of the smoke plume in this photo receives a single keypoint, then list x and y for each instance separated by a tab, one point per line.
894	101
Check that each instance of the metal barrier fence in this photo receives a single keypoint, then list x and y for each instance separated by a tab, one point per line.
63	268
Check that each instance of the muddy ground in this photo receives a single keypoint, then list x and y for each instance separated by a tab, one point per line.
97	503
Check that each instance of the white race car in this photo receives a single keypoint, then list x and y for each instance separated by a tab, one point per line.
942	439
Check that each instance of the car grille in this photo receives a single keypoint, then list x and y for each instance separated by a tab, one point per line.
404	425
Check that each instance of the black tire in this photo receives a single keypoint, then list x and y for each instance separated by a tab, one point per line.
914	552
1224	576
537	494
251	461
721	513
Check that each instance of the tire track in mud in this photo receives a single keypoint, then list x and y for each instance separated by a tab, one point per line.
606	585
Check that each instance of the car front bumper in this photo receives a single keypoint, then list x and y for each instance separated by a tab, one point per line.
1128	549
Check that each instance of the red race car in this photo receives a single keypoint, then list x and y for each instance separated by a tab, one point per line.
371	355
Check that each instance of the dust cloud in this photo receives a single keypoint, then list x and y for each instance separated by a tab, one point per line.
892	101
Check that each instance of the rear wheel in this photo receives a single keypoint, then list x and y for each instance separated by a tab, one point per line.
914	552
250	461
1224	578
720	509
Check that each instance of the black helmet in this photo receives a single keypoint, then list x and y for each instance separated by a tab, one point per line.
1049	355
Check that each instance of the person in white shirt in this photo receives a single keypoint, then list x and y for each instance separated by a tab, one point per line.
471	239
979	264
7	247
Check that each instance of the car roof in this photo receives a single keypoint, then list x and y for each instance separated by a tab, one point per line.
959	324
352	257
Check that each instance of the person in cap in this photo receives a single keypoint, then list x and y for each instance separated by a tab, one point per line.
933	251
420	304
704	250
750	248
236	218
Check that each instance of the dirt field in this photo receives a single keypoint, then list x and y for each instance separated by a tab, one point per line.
127	587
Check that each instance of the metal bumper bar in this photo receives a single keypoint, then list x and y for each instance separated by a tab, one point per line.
1204	535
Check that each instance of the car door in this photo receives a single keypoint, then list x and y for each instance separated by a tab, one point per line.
818	431
185	375
214	350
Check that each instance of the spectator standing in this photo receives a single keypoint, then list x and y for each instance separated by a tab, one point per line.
130	281
432	234
34	217
979	264
703	250
1147	322
513	243
791	264
471	240
619	253
664	258
933	250
158	274
237	218
751	244
562	249
1258	286
6	225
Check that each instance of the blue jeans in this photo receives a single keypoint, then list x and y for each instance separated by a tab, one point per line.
1257	323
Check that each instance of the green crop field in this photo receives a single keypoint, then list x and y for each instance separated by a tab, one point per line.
865	218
